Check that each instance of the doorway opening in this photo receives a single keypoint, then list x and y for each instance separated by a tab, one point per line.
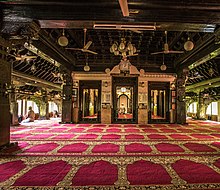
90	102
124	100
158	102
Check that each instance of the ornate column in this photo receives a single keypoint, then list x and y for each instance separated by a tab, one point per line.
43	105
218	111
5	82
181	104
59	104
14	106
46	104
201	108
67	104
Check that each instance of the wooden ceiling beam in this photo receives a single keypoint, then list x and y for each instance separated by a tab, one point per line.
36	81
200	86
203	51
57	50
76	38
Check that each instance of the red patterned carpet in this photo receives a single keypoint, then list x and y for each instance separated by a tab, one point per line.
114	156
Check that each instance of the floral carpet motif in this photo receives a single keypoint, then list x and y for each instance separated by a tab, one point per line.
112	156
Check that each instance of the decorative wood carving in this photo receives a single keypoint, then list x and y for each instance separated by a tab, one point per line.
5	81
181	104
67	103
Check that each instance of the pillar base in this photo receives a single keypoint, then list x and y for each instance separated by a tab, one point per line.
182	123
66	122
15	124
9	145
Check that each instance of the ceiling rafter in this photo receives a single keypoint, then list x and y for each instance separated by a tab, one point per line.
73	16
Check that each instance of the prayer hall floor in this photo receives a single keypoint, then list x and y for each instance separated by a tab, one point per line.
112	156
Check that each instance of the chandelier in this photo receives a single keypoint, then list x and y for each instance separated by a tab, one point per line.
123	48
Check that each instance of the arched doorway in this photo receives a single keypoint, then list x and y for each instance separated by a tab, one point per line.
124	100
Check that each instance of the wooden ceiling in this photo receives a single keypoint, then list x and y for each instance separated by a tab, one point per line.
196	19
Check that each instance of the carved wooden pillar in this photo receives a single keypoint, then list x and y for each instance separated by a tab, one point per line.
46	104
218	111
59	105
5	82
43	105
47	108
200	107
181	104
67	104
14	107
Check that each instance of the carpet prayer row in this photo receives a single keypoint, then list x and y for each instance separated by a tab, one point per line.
128	156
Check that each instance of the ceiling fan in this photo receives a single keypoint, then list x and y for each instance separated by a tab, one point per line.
86	46
124	7
166	48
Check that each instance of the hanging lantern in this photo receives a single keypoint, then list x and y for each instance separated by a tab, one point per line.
86	68
116	52
123	54
111	50
63	41
121	46
114	47
130	46
189	45
134	49
163	67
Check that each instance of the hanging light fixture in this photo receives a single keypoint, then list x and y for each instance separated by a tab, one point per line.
163	67
86	67
123	48
62	40
188	45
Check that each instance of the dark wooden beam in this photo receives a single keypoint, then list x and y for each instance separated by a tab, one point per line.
204	85
53	54
40	82
205	48
77	39
67	59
